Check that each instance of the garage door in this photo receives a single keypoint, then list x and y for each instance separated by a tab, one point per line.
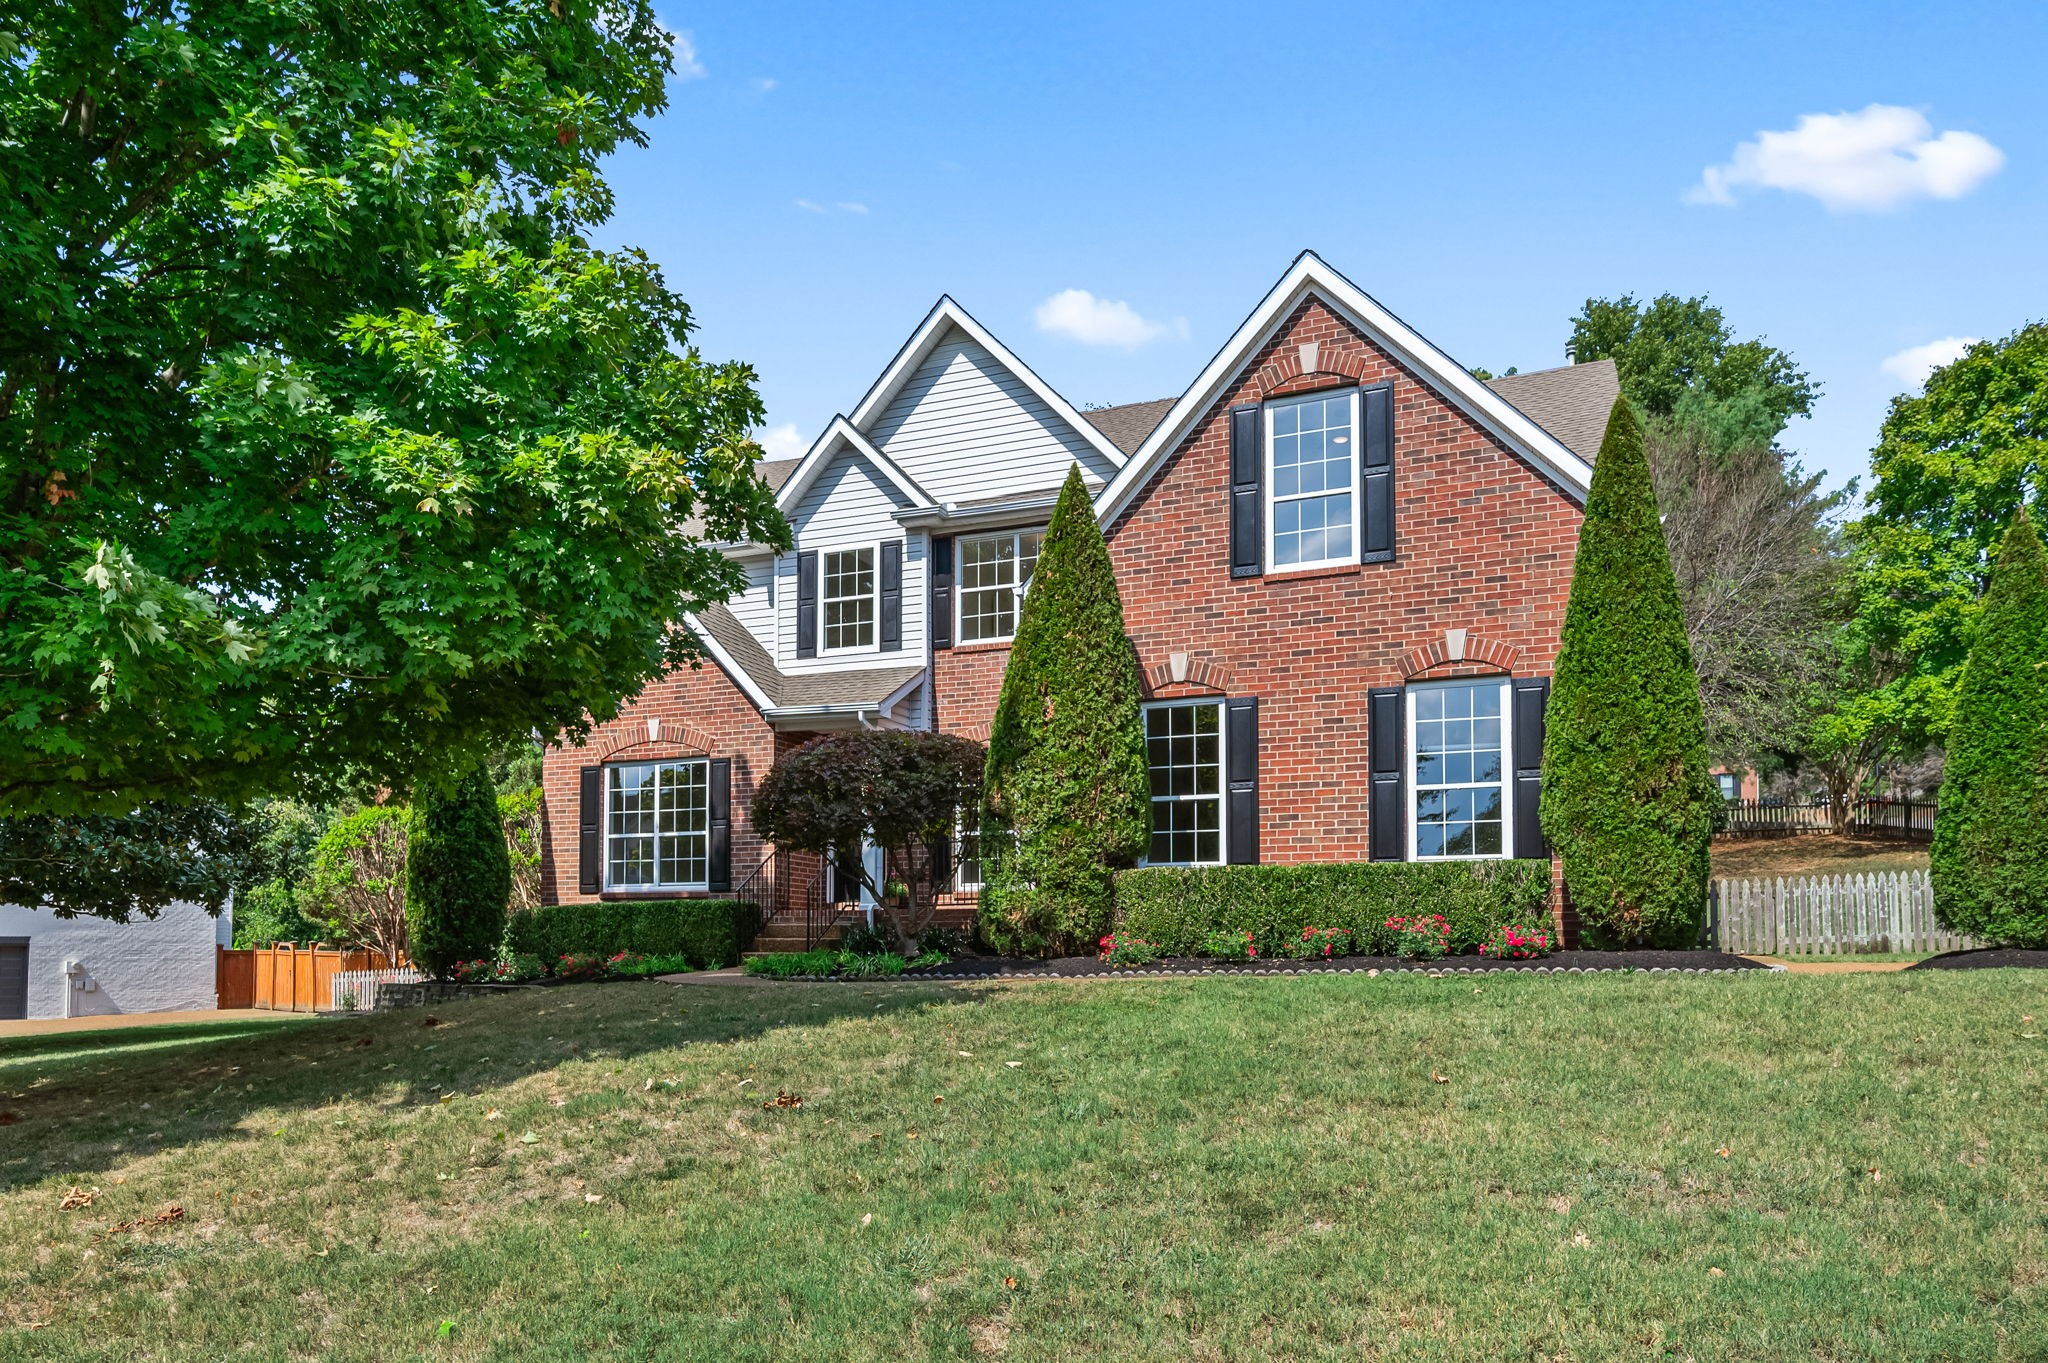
14	979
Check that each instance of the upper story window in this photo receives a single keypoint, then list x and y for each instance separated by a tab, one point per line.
1459	741
658	826
849	599
1184	760
994	572
1312	480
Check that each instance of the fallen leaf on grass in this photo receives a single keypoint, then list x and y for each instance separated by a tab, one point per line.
528	1138
783	1099
969	1055
867	1219
1582	1240
910	1135
1436	1078
1722	1152
430	1021
647	1087
446	1098
1715	1273
1014	1064
940	1098
171	1212
76	1198
493	1115
593	1197
1010	1282
1875	1176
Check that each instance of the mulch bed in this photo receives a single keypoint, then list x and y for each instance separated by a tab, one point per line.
1558	963
1983	958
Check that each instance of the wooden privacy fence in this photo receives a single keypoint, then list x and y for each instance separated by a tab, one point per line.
289	978
1868	818
1829	915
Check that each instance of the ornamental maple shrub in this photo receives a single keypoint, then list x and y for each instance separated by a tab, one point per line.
1990	854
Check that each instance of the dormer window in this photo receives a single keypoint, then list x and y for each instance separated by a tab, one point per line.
849	599
995	570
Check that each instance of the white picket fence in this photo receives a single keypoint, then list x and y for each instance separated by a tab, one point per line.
1830	915
355	991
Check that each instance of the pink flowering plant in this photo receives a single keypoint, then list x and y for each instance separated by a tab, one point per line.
577	965
1320	944
1122	949
1514	942
1425	937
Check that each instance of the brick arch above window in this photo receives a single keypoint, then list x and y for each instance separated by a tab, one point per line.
978	731
1312	364
682	739
1183	674
1462	648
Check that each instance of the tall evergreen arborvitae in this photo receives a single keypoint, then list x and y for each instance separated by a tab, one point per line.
458	875
1627	800
1067	803
1990	855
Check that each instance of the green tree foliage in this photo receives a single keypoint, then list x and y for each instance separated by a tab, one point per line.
271	909
1952	467
458	874
903	792
1990	854
329	441
1678	359
357	889
1067	801
523	813
130	865
1626	797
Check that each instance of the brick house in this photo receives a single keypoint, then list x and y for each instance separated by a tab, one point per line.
1343	558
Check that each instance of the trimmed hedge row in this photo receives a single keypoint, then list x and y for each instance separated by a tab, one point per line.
1177	907
711	932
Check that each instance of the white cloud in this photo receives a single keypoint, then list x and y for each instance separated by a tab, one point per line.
807	206
687	65
1079	314
1872	161
781	442
851	208
1912	365
764	83
813	206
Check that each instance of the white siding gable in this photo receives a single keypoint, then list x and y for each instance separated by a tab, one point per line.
850	503
966	428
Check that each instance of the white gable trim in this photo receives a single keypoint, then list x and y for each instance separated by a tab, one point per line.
1310	275
819	458
747	684
944	314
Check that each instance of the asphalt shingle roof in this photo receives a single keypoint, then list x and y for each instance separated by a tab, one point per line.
854	686
1572	402
1128	425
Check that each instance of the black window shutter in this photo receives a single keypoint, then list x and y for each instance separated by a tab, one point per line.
892	595
590	832
1376	478
1247	524
1386	814
1532	695
941	623
1241	736
807	604
719	876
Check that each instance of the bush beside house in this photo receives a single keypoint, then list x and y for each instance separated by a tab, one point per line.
1180	909
710	932
458	875
1990	854
1627	801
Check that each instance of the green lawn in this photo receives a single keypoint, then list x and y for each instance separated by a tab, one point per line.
1758	1167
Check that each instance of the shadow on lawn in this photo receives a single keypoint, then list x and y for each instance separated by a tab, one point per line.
81	1114
18	1052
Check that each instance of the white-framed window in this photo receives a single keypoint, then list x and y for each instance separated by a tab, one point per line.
658	826
1312	480
1730	784
967	854
848	596
1458	791
1184	762
994	571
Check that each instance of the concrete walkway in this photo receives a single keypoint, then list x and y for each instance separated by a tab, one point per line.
1848	967
115	1021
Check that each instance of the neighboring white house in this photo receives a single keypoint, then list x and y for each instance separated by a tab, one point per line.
54	967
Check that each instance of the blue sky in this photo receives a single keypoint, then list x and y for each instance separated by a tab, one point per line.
825	172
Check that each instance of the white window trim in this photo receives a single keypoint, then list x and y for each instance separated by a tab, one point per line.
1222	796
1273	564
1507	764
655	886
875	597
961	884
1016	591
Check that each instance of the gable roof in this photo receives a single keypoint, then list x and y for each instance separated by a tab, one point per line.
1572	401
733	647
1129	424
819	458
1310	275
944	316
